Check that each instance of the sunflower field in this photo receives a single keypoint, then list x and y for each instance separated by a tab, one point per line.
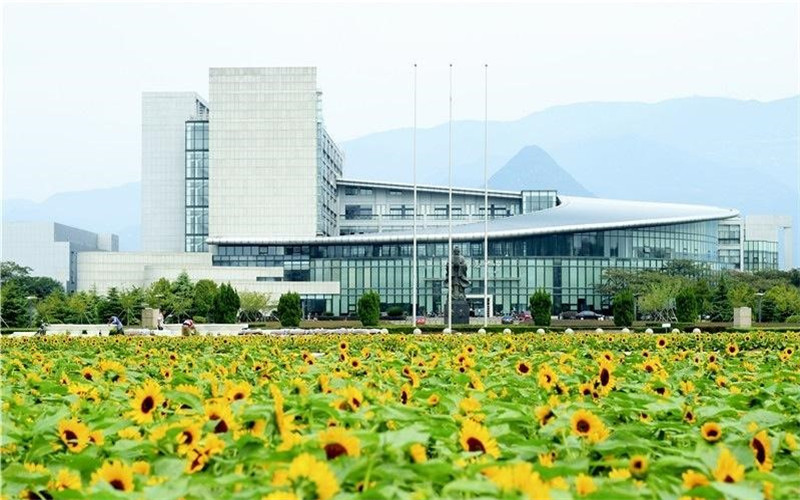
595	416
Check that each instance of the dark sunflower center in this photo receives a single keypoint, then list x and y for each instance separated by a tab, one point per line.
604	377
238	396
547	378
524	368
355	402
475	444
660	390
729	479
148	404
583	426
87	376
712	433
187	437
222	426
637	465
547	417
333	450
404	397
117	484
689	415
70	436
761	452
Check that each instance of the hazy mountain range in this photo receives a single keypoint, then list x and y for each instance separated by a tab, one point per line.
724	152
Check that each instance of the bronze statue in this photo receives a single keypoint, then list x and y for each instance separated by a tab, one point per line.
459	268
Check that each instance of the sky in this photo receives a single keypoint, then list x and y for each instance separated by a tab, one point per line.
73	74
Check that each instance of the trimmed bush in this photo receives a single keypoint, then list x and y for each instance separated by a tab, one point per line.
369	308
396	312
794	318
541	307
623	308
686	306
290	309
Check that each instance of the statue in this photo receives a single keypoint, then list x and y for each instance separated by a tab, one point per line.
458	267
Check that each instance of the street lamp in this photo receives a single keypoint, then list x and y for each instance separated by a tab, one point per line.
760	296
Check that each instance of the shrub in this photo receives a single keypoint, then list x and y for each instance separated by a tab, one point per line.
794	318
290	309
226	305
541	307
369	308
199	319
623	308
686	307
396	312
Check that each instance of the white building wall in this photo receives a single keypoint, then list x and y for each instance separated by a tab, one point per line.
102	270
262	152
163	171
768	228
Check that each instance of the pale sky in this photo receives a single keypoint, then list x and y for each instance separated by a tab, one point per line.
73	73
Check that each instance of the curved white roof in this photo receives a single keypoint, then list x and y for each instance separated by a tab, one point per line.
574	214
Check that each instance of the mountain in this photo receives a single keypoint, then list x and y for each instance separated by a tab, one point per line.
113	210
533	168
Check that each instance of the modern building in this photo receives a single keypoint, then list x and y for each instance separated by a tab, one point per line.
51	249
753	243
248	188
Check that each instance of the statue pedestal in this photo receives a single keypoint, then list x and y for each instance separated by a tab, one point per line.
460	312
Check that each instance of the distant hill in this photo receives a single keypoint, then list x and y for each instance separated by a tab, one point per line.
115	210
533	168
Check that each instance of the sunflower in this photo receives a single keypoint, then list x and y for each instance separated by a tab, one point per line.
661	342
638	465
584	485
115	473
433	400
188	437
688	416
405	394
605	374
475	437
728	469
65	480
761	449
732	349
547	377
237	391
523	368
693	479
305	466
145	400
544	414
619	474
584	422
418	453
711	431
222	417
74	434
337	441
353	399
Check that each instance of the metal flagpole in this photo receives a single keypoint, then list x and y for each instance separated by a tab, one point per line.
450	211
485	195
414	213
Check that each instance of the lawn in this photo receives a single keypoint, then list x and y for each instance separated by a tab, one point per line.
391	416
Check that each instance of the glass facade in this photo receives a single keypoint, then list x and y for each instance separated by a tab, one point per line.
569	266
533	201
760	255
196	186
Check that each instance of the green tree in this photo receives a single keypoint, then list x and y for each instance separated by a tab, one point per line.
82	308
721	308
159	296
742	295
253	306
182	296
290	309
786	299
39	286
110	305
769	310
541	307
369	308
226	305
53	308
14	306
623	304
203	298
686	308
659	298
132	303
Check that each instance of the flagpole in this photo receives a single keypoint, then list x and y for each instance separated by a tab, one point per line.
414	213
485	195
450	210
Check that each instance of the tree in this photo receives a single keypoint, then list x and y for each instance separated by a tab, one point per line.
11	271
786	299
721	309
53	308
623	304
742	295
290	309
159	296
203	298
769	310
541	308
82	308
369	308
226	305
39	286
132	303
110	305
686	309
13	305
659	298
182	296
253	306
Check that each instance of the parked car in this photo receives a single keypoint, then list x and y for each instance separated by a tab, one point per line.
588	315
507	320
568	315
421	320
525	316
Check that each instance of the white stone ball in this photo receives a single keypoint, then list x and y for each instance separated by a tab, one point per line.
481	330
417	331
625	330
675	330
568	330
696	330
384	331
507	331
599	330
649	330
447	330
540	331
